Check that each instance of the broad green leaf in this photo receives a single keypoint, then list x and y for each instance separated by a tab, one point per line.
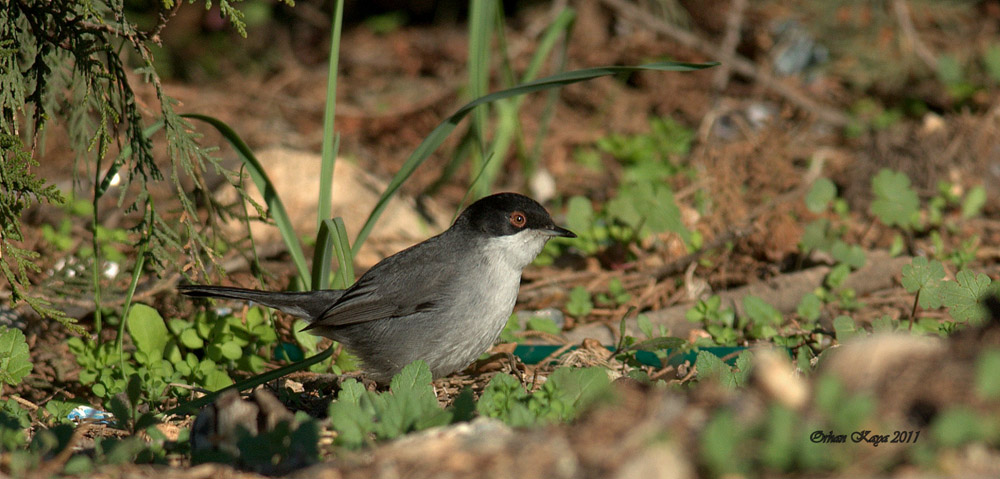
711	366
308	341
500	396
895	203
851	255
15	362
816	236
760	312
351	391
924	276
823	191
835	279
579	304
412	377
973	203
810	307
845	328
744	362
190	339
987	377
148	331
959	425
963	296
579	214
543	324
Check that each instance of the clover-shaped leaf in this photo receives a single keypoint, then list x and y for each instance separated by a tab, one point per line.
896	203
963	296
924	276
823	191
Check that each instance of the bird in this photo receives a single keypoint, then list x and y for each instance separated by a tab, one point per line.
444	300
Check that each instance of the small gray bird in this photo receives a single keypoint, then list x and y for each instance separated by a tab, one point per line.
444	300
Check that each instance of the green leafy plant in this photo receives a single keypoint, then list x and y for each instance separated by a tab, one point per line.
896	203
617	295
719	322
923	278
565	394
580	303
409	405
711	367
15	362
644	204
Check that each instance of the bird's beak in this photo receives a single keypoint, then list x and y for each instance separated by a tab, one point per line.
560	231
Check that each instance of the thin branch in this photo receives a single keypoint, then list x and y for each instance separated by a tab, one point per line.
736	62
902	11
729	42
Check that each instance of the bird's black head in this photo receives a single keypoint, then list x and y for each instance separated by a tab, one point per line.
509	213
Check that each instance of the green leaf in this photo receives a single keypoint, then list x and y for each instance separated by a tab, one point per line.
837	276
895	203
963	296
760	312
15	361
816	236
744	363
231	350
579	304
543	324
844	327
958	425
500	397
851	255
991	61
414	376
710	366
823	191
148	331
190	339
308	341
351	392
579	214
987	379
924	276
810	307
973	203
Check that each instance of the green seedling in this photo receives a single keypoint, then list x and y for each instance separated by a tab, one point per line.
15	361
711	367
580	303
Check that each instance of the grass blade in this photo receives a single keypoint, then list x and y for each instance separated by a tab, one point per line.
267	190
345	261
332	240
481	14
331	140
441	132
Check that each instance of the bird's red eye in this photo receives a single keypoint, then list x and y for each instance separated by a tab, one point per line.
518	219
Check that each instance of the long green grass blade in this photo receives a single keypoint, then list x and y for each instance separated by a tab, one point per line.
345	260
441	132
481	19
331	140
332	241
274	205
322	256
249	383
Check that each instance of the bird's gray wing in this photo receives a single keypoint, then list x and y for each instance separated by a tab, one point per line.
398	286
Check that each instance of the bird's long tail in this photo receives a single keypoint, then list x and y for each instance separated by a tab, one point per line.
306	304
